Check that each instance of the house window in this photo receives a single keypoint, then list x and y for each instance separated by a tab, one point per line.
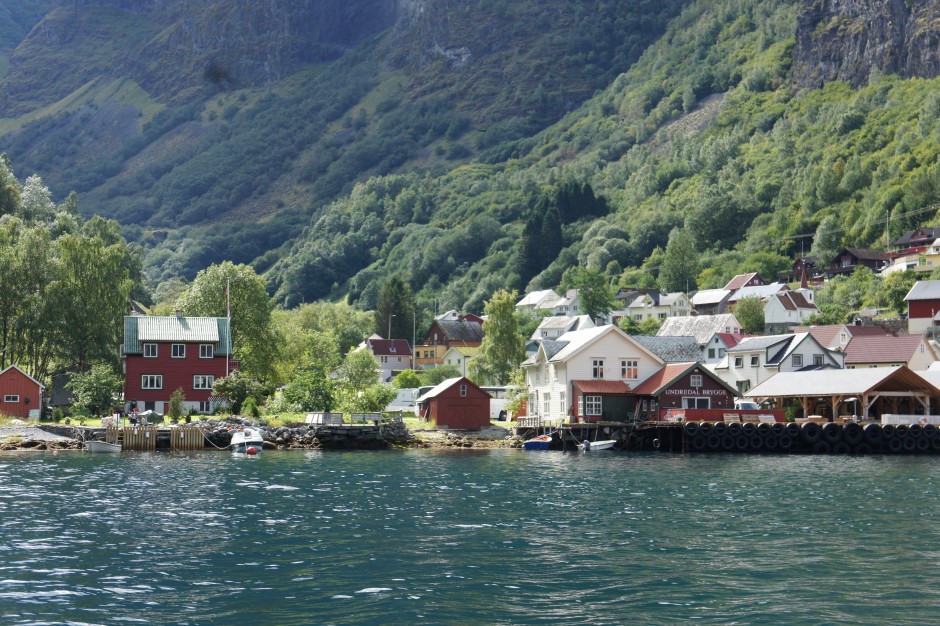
755	361
638	317
593	405
178	351
547	404
696	380
739	361
711	353
151	381
399	359
385	359
392	349
696	403
629	369
662	316
150	350
206	351
11	398
532	400
597	368
721	353
561	402
463	391
580	405
203	382
797	360
205	406
817	359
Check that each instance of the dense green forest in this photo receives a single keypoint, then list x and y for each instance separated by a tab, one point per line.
543	136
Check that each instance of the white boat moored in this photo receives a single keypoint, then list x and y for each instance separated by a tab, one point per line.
605	444
247	441
93	445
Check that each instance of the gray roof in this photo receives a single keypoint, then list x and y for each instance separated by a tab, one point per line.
702	327
461	330
835	382
760	343
672	349
553	347
924	290
710	296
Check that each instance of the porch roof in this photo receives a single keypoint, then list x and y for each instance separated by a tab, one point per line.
602	387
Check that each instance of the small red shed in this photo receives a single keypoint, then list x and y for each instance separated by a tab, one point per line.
20	392
456	403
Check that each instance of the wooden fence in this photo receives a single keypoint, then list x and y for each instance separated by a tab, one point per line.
139	438
187	438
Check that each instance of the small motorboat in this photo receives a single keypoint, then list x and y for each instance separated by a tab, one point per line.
539	442
94	445
247	441
604	444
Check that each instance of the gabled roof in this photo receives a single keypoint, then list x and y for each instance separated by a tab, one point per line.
702	327
672	349
445	385
563	323
884	349
466	351
667	376
924	290
710	296
577	340
917	234
825	334
731	339
389	347
758	291
139	329
793	301
841	383
865	254
752	344
461	330
15	367
537	297
742	279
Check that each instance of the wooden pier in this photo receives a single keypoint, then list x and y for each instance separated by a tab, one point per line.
144	438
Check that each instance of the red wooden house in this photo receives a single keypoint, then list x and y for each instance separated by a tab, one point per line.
162	354
456	403
21	393
681	386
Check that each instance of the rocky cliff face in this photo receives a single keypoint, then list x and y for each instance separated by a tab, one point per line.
846	39
182	49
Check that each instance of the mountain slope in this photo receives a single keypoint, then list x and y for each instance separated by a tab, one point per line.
215	131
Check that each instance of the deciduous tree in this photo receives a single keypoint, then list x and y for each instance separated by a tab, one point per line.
503	348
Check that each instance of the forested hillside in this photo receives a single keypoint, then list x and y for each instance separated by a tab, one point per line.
465	147
230	162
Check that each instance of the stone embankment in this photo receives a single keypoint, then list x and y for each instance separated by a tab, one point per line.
218	435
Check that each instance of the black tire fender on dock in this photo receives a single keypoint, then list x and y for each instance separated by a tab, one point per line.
822	447
852	434
832	432
889	431
811	432
691	428
873	433
793	429
895	444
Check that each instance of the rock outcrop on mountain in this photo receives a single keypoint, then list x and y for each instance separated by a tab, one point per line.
848	39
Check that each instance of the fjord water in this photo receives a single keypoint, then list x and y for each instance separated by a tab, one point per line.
468	537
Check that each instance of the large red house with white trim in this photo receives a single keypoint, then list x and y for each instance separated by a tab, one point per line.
164	353
20	392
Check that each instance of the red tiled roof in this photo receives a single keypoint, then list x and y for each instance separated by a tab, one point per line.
662	378
884	349
602	386
867	331
731	339
383	347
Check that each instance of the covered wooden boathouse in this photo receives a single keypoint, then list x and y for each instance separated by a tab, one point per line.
862	394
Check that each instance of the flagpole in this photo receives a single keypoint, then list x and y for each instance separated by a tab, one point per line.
228	323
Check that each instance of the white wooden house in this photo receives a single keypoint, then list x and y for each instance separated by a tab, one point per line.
588	375
756	359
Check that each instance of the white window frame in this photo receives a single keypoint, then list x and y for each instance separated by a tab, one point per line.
463	391
797	360
597	369
580	405
547	404
177	350
205	406
695	380
203	381
739	361
11	398
151	381
629	369
561	403
206	351
151	347
755	360
594	405
696	401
